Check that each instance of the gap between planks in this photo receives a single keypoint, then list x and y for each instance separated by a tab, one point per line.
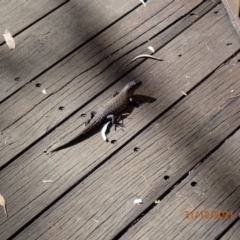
107	195
215	190
54	37
87	85
59	163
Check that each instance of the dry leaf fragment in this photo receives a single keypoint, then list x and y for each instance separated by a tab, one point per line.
183	93
144	56
208	48
151	49
3	204
142	1
9	39
47	181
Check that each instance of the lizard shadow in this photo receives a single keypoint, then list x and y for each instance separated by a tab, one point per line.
138	100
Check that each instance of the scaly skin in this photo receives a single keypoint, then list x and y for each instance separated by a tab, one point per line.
113	107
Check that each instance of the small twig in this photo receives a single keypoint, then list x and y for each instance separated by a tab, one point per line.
144	56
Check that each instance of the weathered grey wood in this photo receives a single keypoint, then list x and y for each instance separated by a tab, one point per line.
233	9
19	14
69	84
22	183
217	191
232	233
52	38
102	205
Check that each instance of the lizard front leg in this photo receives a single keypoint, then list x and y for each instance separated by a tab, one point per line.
91	115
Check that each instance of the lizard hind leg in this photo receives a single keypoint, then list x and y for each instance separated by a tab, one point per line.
91	116
114	122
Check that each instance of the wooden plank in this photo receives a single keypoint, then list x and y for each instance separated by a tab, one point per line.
90	53
20	113
232	233
17	15
102	205
52	38
216	192
233	9
65	168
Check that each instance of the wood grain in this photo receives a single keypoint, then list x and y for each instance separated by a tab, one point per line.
49	40
74	83
109	193
232	233
216	192
17	15
102	205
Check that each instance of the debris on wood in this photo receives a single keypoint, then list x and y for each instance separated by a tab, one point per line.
151	49
190	172
183	93
138	201
47	181
232	91
3	204
9	39
208	48
143	2
157	201
144	56
103	132
44	91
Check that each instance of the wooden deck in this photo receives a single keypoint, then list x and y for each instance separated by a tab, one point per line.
179	151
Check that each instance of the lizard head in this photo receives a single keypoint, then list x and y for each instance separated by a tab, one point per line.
132	86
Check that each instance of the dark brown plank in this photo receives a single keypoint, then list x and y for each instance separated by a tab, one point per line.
24	177
52	38
17	15
232	233
216	192
74	83
102	205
